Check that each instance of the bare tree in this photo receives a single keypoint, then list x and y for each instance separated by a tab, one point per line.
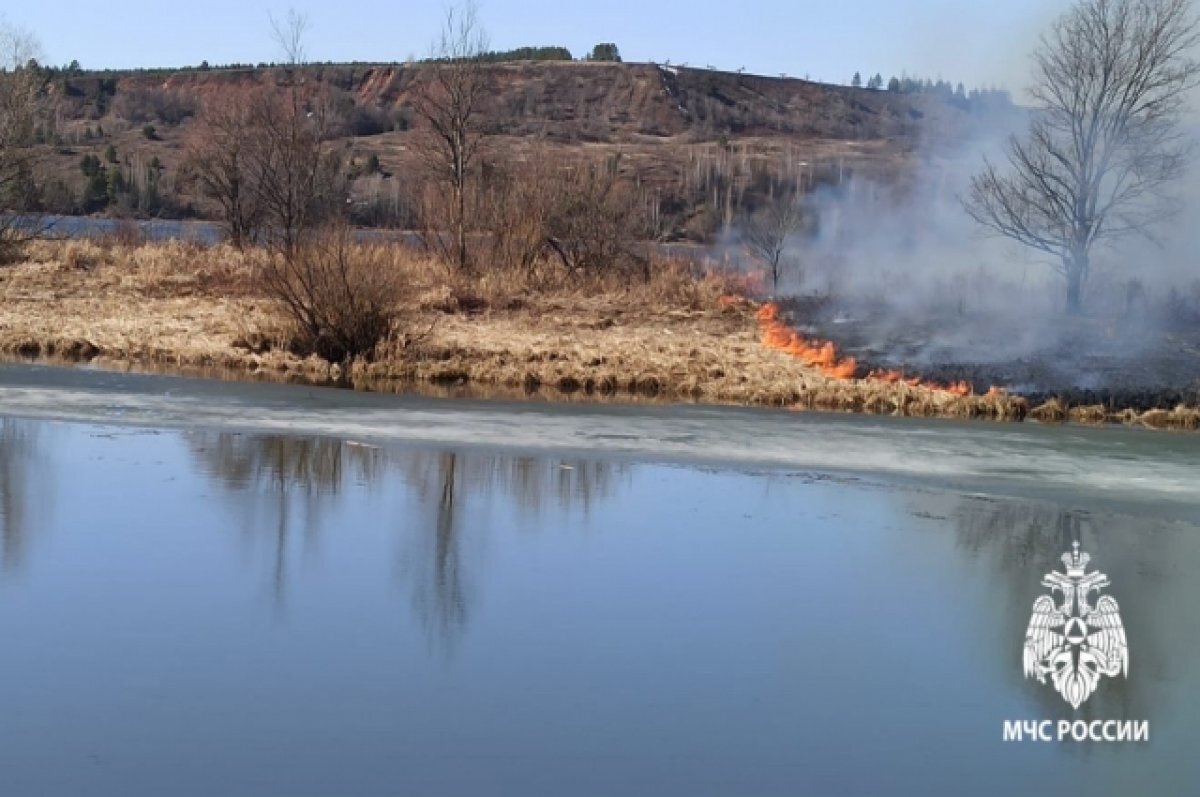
766	232
1111	78
596	222
518	200
448	94
17	47
288	34
21	86
296	172
218	159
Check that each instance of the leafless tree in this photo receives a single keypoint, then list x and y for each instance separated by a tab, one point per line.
596	222
766	232
450	87
296	171
288	34
518	200
17	47
1104	144
21	87
218	160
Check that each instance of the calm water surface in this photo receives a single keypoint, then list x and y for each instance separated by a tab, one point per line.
306	593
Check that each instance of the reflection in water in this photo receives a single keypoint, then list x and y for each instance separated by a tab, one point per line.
439	594
443	482
283	483
1021	542
1022	536
18	444
286	485
763	628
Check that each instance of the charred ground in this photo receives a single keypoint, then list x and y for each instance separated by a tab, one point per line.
1117	361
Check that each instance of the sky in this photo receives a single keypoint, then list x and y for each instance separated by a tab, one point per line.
978	43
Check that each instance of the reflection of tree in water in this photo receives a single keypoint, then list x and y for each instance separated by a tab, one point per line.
284	483
443	482
1022	541
288	483
439	592
18	445
1021	535
534	483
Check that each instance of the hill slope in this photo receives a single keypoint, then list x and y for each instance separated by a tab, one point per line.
674	127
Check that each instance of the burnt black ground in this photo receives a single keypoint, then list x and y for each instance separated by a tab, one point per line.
1143	361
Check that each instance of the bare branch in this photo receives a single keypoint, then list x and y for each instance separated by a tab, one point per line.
766	233
450	88
288	35
1104	145
17	47
21	103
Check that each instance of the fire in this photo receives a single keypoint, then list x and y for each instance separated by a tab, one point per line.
823	355
892	377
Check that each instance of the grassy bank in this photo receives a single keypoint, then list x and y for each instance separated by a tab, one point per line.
682	336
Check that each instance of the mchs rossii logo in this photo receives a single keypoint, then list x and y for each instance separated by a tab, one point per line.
1075	642
1072	643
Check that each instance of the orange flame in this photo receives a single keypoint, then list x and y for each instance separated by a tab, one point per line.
823	355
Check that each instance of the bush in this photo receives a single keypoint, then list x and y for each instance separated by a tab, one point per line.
340	297
150	133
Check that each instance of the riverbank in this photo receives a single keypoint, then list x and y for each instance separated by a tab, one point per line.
682	337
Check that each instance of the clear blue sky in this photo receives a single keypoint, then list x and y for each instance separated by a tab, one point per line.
979	43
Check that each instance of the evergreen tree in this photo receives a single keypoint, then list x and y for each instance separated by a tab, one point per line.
605	51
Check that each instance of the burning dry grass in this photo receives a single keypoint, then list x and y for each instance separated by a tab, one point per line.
879	392
681	336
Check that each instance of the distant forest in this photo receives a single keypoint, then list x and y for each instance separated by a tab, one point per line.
605	51
939	88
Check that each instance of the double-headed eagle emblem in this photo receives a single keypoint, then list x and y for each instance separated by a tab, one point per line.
1075	642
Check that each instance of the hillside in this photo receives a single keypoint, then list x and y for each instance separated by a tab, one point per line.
674	128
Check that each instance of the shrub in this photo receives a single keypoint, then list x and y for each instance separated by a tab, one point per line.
340	297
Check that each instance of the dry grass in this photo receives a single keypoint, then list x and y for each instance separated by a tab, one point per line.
678	337
1057	411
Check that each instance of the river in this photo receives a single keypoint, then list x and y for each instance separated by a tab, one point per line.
247	589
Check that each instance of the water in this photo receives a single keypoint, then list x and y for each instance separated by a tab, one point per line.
209	588
153	229
208	232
